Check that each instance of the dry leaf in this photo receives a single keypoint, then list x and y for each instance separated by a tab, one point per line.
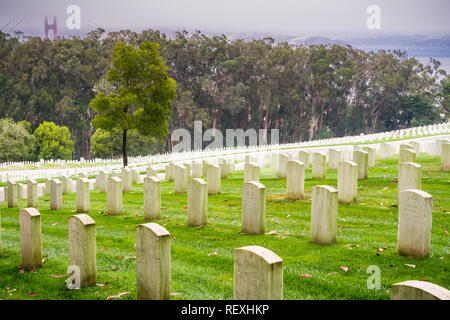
344	268
272	232
410	265
60	276
213	254
305	275
33	294
117	296
331	273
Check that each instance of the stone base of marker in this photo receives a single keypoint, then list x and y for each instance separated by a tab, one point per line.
258	274
295	180
253	208
324	207
30	238
152	262
414	224
152	198
418	290
197	203
82	248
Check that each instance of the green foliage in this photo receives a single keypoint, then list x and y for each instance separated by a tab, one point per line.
106	144
16	143
144	95
225	83
53	141
26	125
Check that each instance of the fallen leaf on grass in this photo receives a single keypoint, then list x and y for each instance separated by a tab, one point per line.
410	265
54	224
272	232
331	273
60	276
174	293
213	254
33	294
102	284
305	275
344	268
117	296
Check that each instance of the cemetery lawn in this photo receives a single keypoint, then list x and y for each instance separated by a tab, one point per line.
202	258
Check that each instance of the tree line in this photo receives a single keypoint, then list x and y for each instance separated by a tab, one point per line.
307	92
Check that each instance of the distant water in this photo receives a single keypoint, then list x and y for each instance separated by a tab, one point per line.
421	54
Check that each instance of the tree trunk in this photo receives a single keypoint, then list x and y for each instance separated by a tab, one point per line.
124	148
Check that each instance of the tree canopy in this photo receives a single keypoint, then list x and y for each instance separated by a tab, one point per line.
144	94
307	92
53	142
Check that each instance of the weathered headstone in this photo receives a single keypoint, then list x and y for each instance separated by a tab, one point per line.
406	155
83	195
204	168
252	172
361	158
197	202
418	290
82	248
66	184
371	153
414	224
152	198
152	172
283	159
295	180
347	182
102	181
46	192
114	196
409	176
303	156
13	194
213	177
333	158
152	262
55	195
32	194
30	238
223	163
319	165
180	176
127	179
197	170
445	156
324	207
258	274
253	208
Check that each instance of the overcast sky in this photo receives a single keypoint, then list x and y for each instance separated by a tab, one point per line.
292	17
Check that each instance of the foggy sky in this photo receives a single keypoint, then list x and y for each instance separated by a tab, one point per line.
293	17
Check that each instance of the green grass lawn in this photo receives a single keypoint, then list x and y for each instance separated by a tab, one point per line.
202	258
